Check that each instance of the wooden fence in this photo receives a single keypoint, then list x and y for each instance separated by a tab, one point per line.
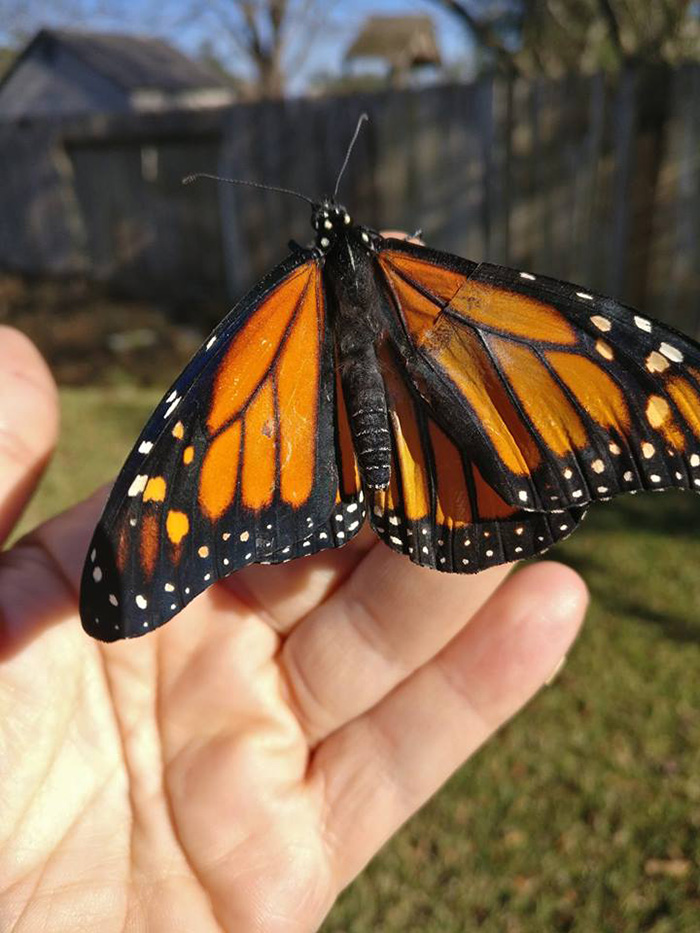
592	180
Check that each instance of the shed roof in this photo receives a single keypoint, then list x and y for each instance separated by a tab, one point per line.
397	39
132	62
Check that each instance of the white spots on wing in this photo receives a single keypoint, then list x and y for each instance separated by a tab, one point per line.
642	323
656	363
602	323
328	224
248	556
171	408
671	353
306	544
648	450
442	560
207	577
113	599
145	447
323	536
203	551
489	553
187	591
694	460
395	540
563	528
138	485
425	550
527	275
169	588
353	526
568	473
628	476
697	482
226	562
585	296
225	536
244	536
603	489
605	350
614	449
365	237
93	555
339	517
577	493
145	624
465	561
352	507
655	478
679	475
173	606
286	550
325	241
211	342
172	395
522	495
340	534
361	496
97	574
132	522
141	601
394	520
598	466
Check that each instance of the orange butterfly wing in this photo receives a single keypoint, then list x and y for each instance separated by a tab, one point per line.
242	462
560	397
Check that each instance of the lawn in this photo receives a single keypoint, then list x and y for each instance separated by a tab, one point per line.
584	814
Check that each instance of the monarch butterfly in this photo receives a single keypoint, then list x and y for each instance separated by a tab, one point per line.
470	411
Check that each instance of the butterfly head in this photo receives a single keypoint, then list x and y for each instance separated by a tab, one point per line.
328	219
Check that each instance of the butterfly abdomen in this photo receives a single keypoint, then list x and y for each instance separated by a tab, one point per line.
363	388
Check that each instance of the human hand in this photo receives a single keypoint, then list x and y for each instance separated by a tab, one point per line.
237	768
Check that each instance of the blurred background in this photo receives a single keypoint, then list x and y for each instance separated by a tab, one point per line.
558	136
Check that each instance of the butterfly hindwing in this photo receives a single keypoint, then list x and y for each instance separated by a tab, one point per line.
562	397
438	509
239	464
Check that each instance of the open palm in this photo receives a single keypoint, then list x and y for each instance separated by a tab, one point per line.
237	768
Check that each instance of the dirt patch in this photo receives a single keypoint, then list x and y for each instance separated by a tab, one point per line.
89	337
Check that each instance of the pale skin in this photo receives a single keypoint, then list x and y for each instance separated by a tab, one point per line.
236	769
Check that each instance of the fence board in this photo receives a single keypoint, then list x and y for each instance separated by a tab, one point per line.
589	179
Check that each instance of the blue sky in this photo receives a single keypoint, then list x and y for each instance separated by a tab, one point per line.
326	55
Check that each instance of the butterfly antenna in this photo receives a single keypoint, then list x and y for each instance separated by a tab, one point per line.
363	119
189	179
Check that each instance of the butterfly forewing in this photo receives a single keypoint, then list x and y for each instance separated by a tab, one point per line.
560	396
238	465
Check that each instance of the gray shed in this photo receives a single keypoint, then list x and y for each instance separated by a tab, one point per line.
66	73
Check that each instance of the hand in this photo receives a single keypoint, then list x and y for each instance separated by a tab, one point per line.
237	768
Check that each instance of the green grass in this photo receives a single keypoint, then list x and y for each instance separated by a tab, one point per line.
584	814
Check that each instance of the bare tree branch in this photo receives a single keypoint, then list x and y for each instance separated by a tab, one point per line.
482	32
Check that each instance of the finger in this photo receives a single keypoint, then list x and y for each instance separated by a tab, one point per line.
380	768
50	558
28	423
385	621
285	593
